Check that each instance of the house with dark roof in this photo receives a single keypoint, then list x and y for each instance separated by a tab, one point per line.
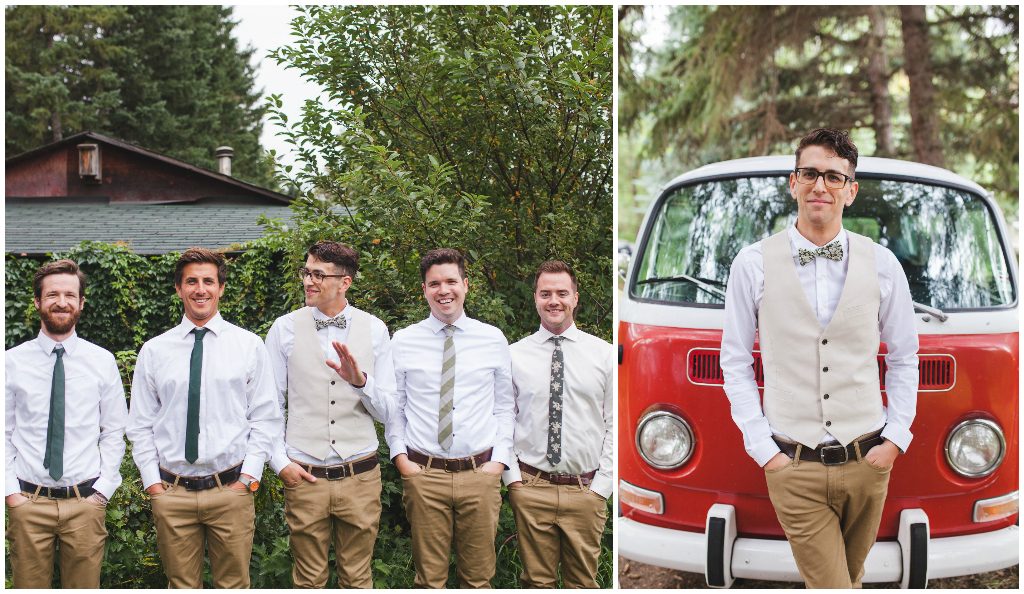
93	187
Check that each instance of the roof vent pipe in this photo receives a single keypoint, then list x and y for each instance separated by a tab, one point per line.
224	155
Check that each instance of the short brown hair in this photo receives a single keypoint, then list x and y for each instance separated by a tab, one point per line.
339	254
442	256
198	255
838	141
58	267
555	267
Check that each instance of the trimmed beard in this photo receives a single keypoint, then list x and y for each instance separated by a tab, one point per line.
53	326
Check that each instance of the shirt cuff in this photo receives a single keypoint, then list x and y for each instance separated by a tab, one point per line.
105	486
602	486
900	436
763	451
502	455
150	475
279	461
13	486
397	448
512	475
253	466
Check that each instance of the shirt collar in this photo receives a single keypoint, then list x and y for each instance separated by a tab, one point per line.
437	325
46	343
543	334
346	312
796	240
215	325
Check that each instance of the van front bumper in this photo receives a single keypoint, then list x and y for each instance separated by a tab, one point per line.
722	557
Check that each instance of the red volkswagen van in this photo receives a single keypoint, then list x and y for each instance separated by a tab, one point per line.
690	497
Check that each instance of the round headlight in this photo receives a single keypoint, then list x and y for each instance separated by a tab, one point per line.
664	440
975	448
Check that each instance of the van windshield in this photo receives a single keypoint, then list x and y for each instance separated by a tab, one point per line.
946	239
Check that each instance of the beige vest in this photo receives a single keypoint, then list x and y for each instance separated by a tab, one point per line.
801	398
324	411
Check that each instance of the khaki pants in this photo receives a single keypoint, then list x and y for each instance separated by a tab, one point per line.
35	526
348	510
558	523
441	505
830	515
221	518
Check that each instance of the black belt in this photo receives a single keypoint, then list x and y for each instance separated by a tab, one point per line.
202	483
831	455
333	473
560	478
450	464
84	489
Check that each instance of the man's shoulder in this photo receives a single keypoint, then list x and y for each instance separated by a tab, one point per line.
485	329
94	351
750	255
240	334
165	336
410	331
589	340
17	351
288	317
373	320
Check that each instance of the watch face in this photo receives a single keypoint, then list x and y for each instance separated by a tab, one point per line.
253	486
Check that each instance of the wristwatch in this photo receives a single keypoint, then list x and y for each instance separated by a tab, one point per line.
250	483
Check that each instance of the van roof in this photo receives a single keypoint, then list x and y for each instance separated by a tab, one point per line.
867	167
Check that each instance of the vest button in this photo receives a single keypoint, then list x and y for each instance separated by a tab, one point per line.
826	396
332	421
332	402
828	423
332	441
332	382
824	341
825	369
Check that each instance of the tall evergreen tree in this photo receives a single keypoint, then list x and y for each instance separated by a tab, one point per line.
169	78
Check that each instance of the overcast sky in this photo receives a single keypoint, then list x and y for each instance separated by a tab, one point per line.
266	28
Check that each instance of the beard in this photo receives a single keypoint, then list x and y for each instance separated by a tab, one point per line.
55	325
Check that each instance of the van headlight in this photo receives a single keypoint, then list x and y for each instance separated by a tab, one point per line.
664	440
975	448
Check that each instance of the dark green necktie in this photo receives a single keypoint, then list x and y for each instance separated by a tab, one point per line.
195	379
53	460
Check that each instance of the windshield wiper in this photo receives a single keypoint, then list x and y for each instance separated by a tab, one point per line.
702	283
933	311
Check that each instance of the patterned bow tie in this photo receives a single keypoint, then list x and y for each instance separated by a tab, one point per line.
337	321
832	251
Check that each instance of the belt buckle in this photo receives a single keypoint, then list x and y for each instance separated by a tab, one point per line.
846	454
335	474
453	460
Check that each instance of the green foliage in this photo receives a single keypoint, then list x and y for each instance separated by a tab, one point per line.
481	128
737	81
169	78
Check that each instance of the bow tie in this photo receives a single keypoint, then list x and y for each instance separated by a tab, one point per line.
337	321
832	251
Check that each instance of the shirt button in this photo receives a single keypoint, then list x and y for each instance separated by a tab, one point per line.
828	423
826	396
824	341
332	441
332	402
825	369
332	421
332	382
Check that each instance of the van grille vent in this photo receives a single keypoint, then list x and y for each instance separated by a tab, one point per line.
937	372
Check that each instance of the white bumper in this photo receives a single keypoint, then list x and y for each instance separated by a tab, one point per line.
765	559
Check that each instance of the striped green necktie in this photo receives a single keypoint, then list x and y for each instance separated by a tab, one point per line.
445	424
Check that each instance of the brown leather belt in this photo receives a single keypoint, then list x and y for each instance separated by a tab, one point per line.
334	473
202	483
450	464
84	489
831	455
560	478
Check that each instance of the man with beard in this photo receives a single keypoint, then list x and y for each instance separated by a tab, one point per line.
64	439
328	459
565	402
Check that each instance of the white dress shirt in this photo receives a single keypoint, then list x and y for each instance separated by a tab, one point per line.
822	281
95	412
239	420
377	395
483	416
588	405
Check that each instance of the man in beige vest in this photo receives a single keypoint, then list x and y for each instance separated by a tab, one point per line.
821	299
328	459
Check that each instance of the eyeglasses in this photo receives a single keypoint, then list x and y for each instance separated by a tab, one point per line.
833	180
316	275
